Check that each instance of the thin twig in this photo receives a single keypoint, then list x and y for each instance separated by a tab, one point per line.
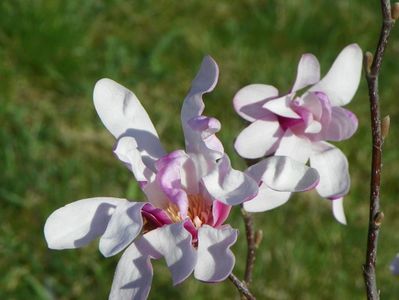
251	244
373	66
241	287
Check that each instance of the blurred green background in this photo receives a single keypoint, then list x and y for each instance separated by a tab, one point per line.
55	150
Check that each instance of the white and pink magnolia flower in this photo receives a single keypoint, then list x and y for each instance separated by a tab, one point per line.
189	194
299	126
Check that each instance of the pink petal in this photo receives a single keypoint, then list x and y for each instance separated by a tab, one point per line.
80	222
229	186
215	259
192	109
342	126
284	174
249	100
259	139
295	147
308	72
282	107
332	166
342	80
220	212
124	226
123	115
338	210
266	199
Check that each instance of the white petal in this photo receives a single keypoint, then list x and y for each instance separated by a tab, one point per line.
173	242
341	82
332	166
249	100
215	259
295	147
259	138
394	267
124	226
284	174
281	106
193	106
229	186
313	127
133	275
266	199
127	152
78	223
308	72
338	210
342	126
123	115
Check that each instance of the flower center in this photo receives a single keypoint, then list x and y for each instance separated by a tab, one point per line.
199	210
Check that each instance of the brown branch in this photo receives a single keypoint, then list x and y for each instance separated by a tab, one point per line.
241	287
373	66
251	242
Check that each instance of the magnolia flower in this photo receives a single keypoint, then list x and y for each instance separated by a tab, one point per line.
298	126
394	267
189	194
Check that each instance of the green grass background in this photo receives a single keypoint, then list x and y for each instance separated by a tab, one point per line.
54	149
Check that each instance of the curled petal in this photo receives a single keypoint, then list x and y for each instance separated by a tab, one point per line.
332	166
229	186
215	259
266	199
80	222
259	139
308	72
124	226
284	174
338	210
248	102
220	212
342	126
192	109
342	80
293	146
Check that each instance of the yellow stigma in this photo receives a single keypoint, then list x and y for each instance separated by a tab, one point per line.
199	210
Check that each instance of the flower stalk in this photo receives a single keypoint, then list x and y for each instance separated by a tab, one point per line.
376	216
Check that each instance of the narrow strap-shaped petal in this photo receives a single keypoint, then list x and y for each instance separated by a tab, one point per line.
248	101
284	174
293	146
266	199
341	81
125	224
308	72
332	166
259	139
229	186
338	210
342	126
215	259
193	106
78	223
123	115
